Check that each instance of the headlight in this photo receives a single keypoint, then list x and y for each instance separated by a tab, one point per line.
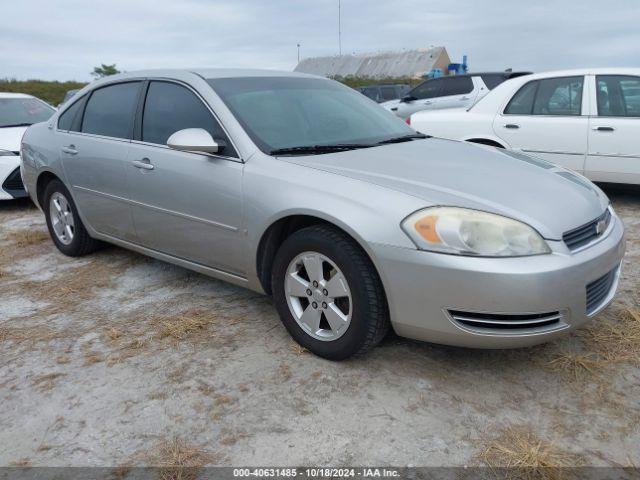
463	231
7	153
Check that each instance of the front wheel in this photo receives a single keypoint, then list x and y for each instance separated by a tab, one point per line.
328	293
65	226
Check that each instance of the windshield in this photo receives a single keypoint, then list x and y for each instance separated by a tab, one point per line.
23	111
285	112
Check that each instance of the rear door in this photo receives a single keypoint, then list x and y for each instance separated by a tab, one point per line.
457	92
94	139
548	118
188	205
614	143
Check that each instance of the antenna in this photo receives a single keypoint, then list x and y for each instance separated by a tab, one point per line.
339	29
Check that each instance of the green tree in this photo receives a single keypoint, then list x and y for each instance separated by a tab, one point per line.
105	70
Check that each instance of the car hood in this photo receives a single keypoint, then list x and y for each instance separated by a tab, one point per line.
10	138
442	172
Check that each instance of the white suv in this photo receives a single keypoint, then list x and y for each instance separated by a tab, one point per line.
457	91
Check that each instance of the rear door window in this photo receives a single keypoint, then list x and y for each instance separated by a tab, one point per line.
428	89
110	110
522	102
457	86
559	96
70	115
618	96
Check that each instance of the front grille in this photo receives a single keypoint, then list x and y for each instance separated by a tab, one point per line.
598	291
503	321
581	236
13	183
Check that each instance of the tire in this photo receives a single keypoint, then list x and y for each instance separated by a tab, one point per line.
78	243
365	306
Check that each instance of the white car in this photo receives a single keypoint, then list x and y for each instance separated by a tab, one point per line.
457	91
17	112
585	120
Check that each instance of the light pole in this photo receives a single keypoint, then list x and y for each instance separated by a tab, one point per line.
298	53
339	29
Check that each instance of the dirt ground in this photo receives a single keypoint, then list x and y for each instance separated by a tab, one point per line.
116	359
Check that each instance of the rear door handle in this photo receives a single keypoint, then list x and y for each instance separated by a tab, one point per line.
144	164
428	102
604	129
70	149
512	126
462	99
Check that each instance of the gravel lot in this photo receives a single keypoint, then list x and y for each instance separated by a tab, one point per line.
116	359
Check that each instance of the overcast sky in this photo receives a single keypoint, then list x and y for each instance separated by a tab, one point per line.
65	39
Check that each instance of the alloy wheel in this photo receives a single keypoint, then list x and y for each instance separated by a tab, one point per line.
318	296
62	220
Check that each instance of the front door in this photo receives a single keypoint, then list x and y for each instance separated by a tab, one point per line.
188	205
94	147
614	143
425	97
548	118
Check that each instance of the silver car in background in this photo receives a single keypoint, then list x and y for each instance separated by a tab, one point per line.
301	188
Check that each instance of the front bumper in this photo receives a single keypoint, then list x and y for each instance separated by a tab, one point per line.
10	182
423	287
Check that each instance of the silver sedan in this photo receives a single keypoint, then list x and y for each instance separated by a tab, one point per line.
303	189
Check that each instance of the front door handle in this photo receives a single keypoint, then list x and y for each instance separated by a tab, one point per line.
604	129
70	149
144	164
428	102
512	126
462	99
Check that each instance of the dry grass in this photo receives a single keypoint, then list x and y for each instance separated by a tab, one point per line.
604	343
528	456
298	349
616	340
33	334
46	382
184	325
27	237
23	462
576	365
178	460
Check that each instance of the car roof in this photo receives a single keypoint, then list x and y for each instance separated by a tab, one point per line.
587	71
209	73
14	95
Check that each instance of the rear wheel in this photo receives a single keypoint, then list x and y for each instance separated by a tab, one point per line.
65	226
328	294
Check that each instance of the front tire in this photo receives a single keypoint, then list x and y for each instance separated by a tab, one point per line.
328	293
65	226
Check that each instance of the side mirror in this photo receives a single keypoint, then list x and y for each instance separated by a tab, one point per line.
407	99
195	140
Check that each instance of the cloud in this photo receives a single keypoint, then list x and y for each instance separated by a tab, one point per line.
67	38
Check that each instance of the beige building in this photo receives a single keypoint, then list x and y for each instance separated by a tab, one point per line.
412	63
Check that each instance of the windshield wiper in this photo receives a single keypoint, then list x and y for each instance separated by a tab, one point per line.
404	138
17	125
318	149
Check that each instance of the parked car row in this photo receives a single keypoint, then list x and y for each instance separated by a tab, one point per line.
584	120
458	91
300	187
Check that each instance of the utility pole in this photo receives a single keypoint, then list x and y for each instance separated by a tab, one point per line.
298	53
339	29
